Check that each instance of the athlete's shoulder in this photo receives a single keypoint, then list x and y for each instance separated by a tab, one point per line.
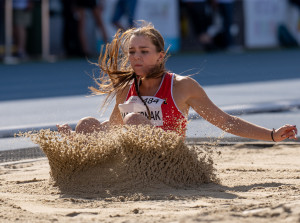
185	81
187	86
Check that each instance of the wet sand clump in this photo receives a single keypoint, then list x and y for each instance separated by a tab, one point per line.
123	160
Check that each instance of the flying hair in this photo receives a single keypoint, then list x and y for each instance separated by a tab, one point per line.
115	71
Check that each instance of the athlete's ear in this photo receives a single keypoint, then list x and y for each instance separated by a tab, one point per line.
161	56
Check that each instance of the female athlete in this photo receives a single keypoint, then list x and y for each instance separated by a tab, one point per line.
133	70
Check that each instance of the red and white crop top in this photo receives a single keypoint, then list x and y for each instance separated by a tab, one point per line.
164	112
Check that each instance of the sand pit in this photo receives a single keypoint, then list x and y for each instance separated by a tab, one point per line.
257	183
123	161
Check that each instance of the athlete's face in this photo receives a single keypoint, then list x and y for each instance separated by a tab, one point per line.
143	55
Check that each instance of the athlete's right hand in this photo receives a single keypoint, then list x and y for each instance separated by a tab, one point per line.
64	129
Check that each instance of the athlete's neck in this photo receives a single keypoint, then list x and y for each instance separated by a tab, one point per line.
149	86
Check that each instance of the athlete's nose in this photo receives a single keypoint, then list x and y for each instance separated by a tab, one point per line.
137	56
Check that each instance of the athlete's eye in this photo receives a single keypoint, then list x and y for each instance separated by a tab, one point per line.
144	52
131	52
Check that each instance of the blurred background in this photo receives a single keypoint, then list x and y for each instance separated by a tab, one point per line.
55	29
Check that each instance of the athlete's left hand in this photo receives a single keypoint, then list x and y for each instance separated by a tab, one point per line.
285	132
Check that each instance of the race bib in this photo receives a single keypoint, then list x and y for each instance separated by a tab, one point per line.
134	104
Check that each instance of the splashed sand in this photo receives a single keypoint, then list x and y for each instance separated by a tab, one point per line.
123	161
258	183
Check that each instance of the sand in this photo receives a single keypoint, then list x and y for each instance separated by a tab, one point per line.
247	182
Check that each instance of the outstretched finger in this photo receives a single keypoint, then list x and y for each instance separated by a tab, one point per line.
288	128
289	135
292	135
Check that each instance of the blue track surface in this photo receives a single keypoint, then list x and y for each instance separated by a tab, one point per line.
72	77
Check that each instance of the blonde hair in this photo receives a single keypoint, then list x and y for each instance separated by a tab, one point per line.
115	70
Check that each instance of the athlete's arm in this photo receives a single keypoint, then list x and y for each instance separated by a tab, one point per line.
199	101
115	117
